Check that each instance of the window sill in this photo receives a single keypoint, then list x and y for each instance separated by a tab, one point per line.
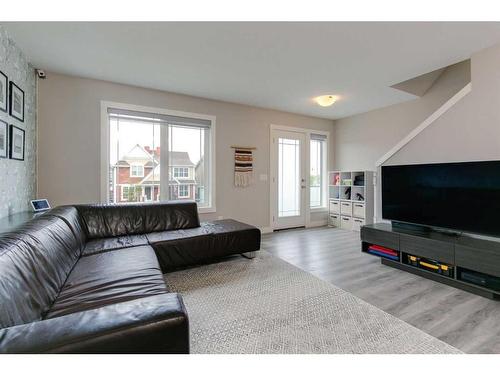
206	210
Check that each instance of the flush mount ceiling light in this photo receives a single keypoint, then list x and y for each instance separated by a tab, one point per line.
325	100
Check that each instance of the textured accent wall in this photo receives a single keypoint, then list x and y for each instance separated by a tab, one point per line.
18	178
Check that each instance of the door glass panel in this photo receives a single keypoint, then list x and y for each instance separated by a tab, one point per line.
288	177
316	172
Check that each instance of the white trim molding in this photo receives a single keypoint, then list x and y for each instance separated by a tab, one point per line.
318	223
428	121
265	230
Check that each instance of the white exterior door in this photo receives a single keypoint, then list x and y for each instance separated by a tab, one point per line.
288	179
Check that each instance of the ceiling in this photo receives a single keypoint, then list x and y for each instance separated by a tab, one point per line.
272	65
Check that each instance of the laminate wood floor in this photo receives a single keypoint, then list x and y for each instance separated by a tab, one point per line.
464	320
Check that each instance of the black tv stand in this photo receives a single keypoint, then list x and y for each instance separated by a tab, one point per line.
463	262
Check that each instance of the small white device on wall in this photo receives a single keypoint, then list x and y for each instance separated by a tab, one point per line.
40	205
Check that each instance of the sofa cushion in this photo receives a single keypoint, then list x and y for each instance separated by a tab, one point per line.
234	235
179	248
108	278
101	245
70	215
101	221
211	240
35	261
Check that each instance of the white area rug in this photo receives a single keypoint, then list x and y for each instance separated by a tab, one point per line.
265	305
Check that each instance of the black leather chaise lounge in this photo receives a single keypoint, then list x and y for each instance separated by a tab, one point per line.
89	278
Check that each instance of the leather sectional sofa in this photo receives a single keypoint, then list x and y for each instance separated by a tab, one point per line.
89	278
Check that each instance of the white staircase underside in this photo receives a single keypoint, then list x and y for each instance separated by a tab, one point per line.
428	121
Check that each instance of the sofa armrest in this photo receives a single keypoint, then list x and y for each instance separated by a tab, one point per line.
156	324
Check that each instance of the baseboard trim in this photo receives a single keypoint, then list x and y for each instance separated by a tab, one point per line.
318	223
312	224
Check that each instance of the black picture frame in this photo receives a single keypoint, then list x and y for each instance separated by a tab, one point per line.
4	91
4	138
13	154
13	90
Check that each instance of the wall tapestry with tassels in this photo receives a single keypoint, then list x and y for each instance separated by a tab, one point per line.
243	166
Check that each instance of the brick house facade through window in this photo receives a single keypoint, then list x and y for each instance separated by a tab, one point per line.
136	176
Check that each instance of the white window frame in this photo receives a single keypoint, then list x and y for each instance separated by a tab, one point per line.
136	165
105	138
181	168
179	191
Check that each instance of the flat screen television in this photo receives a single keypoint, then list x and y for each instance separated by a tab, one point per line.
463	197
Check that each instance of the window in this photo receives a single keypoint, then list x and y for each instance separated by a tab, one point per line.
318	171
181	172
136	170
161	150
125	193
148	193
183	191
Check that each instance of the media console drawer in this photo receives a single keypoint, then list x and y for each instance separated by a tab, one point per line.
428	248
382	238
477	259
470	263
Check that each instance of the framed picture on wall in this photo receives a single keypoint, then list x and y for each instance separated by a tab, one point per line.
4	135
16	143
16	102
3	92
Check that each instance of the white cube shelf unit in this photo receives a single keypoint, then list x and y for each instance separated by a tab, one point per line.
351	197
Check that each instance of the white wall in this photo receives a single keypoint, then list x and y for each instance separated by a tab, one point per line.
470	130
362	139
69	141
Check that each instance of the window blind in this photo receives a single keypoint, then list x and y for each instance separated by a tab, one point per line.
128	115
318	137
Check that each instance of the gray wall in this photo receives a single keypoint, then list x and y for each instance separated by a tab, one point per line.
470	130
18	178
69	141
362	139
